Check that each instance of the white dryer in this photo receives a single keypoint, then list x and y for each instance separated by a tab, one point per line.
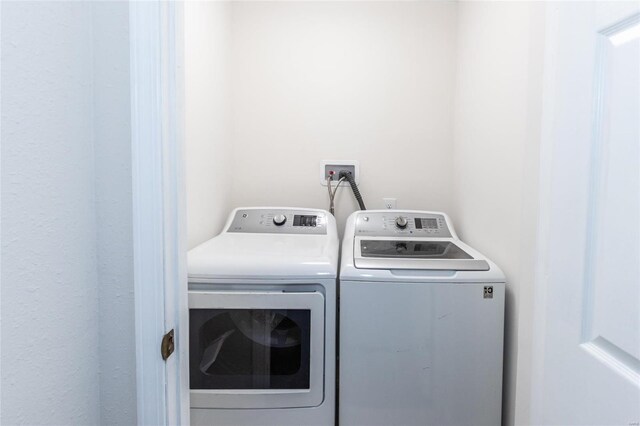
421	324
262	320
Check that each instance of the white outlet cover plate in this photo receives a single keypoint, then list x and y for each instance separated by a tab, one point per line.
390	203
354	163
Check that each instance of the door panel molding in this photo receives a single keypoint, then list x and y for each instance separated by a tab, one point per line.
599	337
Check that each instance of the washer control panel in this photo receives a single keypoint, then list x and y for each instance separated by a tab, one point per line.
279	221
393	223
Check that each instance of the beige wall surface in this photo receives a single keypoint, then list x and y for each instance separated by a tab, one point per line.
366	81
207	117
497	128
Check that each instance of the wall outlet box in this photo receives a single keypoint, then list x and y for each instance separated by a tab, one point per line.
336	166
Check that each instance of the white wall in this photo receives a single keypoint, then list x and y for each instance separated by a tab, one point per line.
207	118
67	290
50	354
500	50
370	81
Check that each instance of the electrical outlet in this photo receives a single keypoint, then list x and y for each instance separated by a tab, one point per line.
336	166
389	203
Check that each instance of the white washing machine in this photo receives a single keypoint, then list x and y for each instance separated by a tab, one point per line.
262	320
421	324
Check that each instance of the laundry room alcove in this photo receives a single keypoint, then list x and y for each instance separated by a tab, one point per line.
437	101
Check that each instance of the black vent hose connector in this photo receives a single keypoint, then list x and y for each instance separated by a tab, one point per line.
349	178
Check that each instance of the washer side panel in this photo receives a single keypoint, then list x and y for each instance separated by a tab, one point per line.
420	353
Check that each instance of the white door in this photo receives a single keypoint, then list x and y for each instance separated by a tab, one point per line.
587	359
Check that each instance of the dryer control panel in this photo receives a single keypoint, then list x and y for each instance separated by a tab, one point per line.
279	221
394	223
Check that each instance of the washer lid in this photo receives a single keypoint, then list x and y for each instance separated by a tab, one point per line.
384	253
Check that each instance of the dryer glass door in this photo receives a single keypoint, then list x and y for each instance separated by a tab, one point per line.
256	349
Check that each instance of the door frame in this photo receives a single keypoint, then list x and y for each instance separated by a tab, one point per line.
159	219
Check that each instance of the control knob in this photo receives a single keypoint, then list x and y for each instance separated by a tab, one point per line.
401	222
279	219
